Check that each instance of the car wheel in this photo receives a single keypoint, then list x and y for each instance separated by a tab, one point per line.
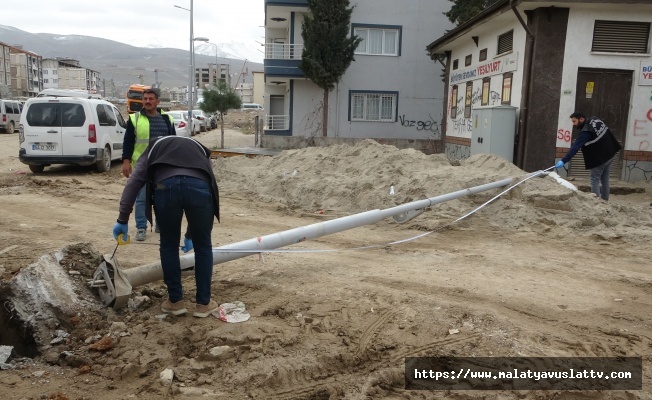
37	169
9	128
202	129
104	165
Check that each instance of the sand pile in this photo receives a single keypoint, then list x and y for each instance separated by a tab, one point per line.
346	179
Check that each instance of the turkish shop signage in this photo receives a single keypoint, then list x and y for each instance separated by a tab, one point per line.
496	66
645	75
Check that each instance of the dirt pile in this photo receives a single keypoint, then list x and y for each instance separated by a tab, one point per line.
346	179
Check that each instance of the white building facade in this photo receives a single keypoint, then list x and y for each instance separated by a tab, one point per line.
388	93
50	73
548	60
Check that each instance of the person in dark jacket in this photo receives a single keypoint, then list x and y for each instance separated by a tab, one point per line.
178	176
599	147
143	127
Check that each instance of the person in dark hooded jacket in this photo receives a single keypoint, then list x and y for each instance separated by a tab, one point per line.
178	175
599	147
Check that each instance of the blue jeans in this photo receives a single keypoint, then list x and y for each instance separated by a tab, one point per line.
600	175
139	212
172	197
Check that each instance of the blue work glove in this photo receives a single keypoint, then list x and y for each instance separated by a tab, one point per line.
120	229
187	245
560	164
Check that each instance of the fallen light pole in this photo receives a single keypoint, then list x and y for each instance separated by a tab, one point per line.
115	285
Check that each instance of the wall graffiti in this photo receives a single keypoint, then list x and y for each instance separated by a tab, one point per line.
457	151
642	131
564	134
462	125
429	125
638	170
494	98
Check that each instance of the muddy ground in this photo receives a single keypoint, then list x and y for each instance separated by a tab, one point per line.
543	272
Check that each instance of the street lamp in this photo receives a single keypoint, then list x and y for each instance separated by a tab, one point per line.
213	44
197	39
191	79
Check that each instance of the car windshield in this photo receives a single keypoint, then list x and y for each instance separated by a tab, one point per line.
177	115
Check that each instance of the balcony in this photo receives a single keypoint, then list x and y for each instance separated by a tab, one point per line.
281	51
277	122
282	60
300	3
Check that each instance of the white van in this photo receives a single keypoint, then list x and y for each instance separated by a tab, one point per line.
9	115
251	106
67	93
70	130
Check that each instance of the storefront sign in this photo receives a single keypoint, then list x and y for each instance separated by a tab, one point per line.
500	65
645	76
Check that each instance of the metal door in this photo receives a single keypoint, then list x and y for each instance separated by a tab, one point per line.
603	93
42	129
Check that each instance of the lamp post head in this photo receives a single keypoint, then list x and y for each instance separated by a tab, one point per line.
201	39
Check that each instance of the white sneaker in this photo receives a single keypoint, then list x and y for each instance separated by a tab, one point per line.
140	234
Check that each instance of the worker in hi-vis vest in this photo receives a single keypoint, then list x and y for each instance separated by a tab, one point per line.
143	126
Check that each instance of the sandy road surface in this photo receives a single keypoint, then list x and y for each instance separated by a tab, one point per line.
336	325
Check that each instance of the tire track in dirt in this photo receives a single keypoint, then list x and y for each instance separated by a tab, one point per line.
371	330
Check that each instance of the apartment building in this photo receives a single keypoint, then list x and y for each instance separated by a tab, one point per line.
545	60
50	73
207	77
388	93
5	71
27	80
65	73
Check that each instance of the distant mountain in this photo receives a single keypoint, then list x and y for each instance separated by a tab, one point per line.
124	63
237	50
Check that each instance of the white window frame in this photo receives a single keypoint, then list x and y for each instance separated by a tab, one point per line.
363	32
386	112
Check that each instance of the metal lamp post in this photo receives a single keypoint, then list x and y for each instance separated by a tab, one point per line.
191	75
213	44
197	39
191	78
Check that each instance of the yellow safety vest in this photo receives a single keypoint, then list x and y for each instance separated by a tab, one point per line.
141	127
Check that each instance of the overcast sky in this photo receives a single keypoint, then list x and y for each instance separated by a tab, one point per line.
141	22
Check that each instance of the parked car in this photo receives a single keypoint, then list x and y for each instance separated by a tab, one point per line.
214	118
68	93
9	115
181	123
70	130
251	106
203	119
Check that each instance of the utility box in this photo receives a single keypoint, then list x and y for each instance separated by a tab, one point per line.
494	131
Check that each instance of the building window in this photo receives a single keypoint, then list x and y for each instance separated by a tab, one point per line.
373	106
486	86
45	72
467	60
454	102
456	64
46	81
483	55
621	37
379	40
505	42
507	88
468	99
